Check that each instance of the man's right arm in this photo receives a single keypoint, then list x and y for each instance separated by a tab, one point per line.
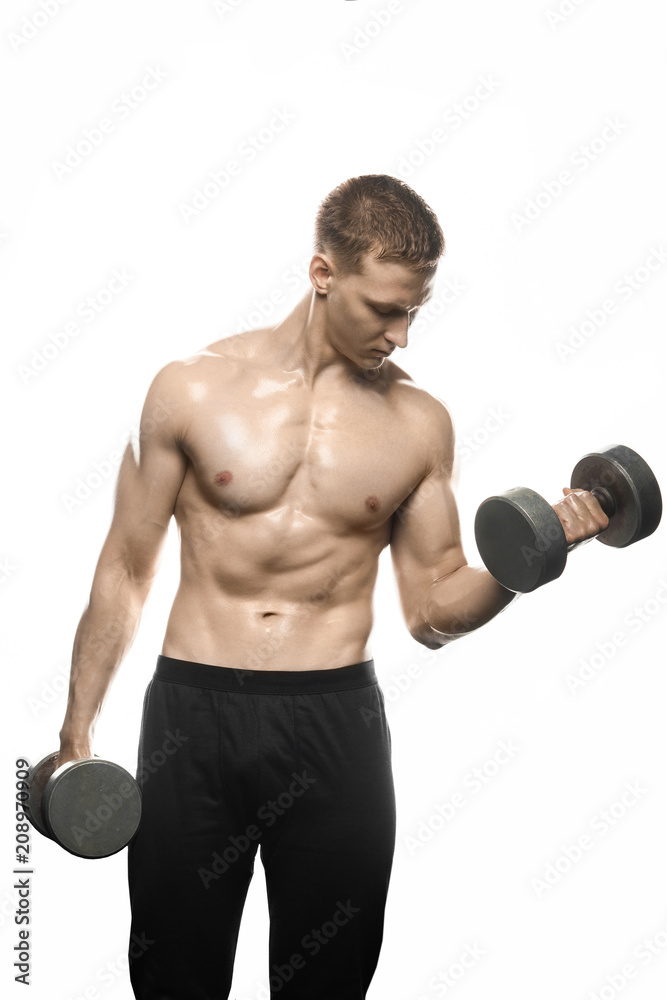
150	477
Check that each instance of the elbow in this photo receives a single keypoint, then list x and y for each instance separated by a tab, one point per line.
430	643
447	610
426	635
454	628
119	581
432	639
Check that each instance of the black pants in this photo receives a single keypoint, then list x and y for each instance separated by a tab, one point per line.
297	762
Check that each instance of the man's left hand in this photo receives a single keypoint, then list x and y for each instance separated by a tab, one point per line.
581	515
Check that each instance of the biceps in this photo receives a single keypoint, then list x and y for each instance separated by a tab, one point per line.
149	480
426	537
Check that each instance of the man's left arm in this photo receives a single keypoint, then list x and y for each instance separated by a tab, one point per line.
442	597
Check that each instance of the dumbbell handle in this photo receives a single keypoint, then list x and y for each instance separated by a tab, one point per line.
606	500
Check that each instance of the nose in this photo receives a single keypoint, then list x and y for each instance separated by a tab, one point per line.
397	331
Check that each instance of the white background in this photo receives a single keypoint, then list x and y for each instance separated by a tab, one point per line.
365	92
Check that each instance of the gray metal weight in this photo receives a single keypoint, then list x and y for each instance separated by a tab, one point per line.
38	775
519	535
624	474
520	539
89	806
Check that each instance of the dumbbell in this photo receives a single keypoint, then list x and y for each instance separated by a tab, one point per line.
89	806
519	535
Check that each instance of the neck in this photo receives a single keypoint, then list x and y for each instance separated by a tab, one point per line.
302	343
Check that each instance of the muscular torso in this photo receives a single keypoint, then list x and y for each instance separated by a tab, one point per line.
286	504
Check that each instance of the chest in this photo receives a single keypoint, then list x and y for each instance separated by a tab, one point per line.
350	458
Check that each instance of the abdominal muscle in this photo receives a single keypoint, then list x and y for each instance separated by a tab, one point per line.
240	635
310	614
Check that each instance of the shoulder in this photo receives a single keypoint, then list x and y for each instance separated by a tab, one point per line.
422	405
179	386
205	367
430	418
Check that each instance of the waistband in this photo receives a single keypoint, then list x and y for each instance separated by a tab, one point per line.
208	675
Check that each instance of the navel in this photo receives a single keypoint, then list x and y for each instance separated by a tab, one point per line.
223	478
372	503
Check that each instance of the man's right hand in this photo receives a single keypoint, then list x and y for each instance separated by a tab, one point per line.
72	751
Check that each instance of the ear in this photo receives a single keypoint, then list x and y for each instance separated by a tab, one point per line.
321	270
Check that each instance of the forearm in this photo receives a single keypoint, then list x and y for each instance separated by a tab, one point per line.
459	604
105	633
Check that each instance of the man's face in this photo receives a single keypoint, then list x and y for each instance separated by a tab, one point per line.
373	310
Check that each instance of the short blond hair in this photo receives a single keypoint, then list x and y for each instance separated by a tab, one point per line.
379	215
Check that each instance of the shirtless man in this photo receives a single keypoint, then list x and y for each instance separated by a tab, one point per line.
290	457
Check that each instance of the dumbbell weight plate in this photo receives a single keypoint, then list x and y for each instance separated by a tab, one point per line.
634	487
38	775
521	540
91	807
